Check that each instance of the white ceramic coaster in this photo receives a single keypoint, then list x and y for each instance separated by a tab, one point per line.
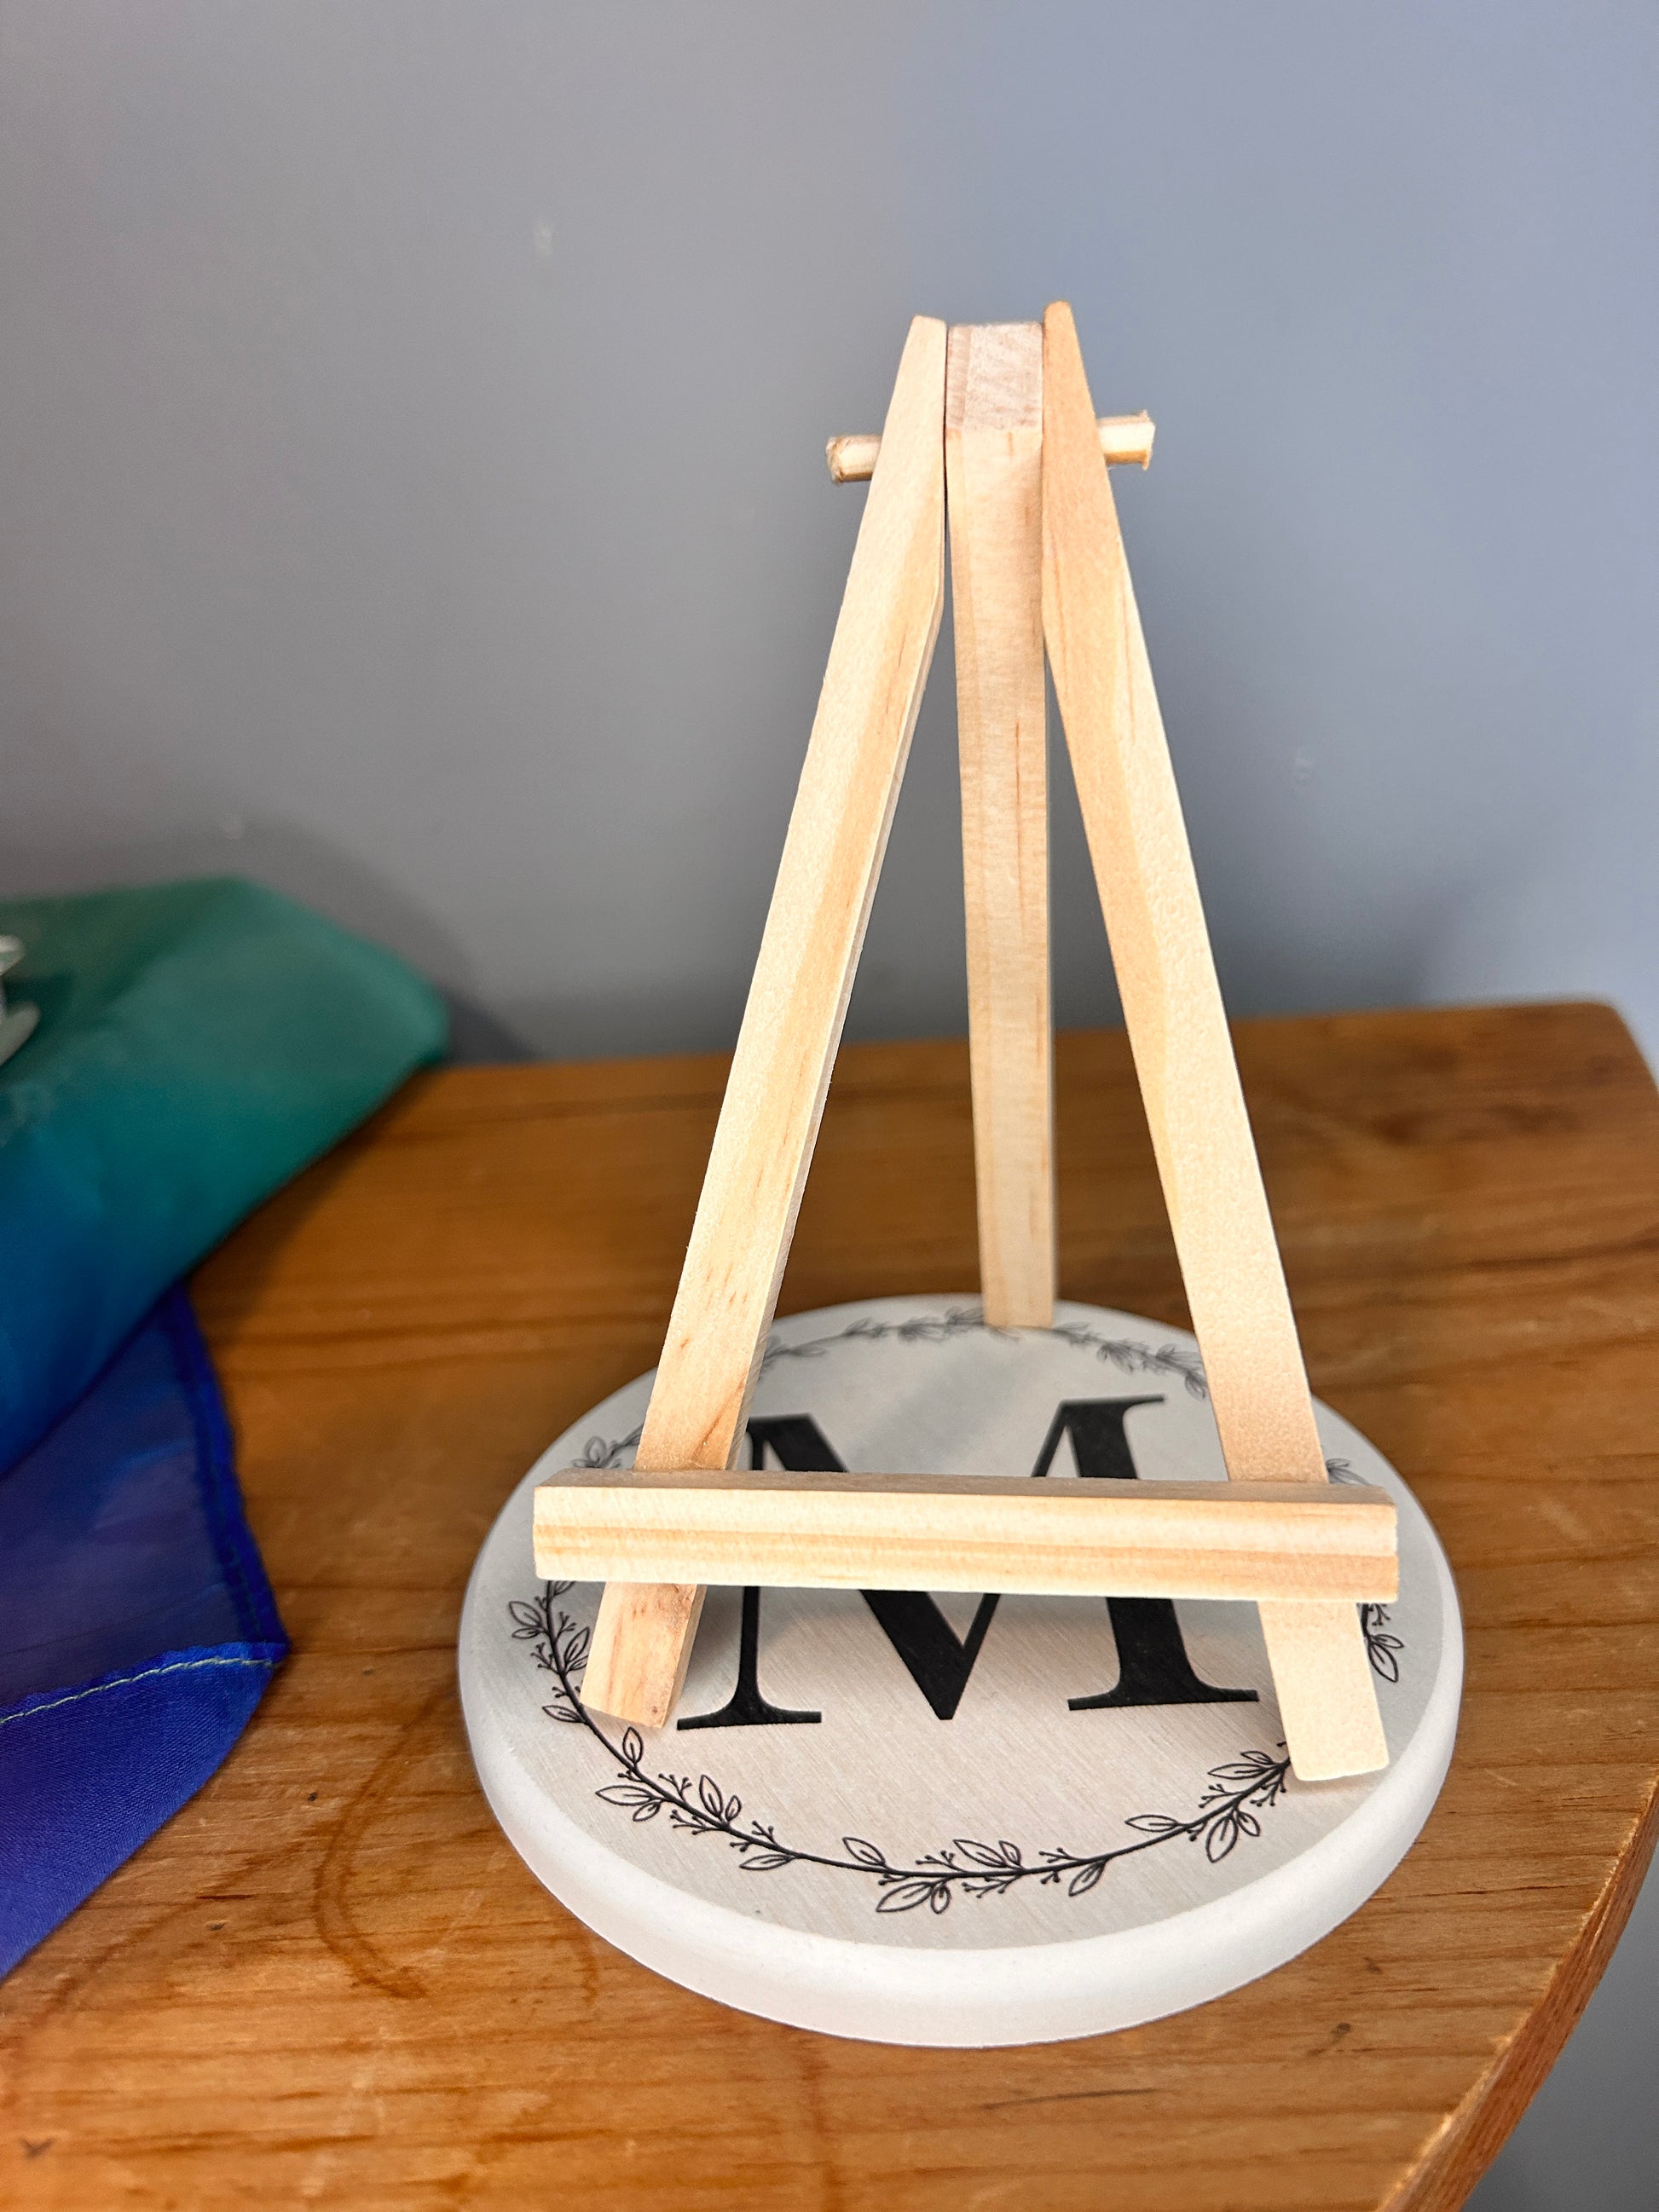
954	1820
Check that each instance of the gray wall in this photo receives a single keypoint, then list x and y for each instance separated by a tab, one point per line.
411	487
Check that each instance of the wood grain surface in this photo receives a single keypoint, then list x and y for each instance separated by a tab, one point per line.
994	473
778	1530
768	1121
1166	979
329	1980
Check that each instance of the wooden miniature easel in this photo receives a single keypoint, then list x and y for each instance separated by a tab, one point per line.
1001	414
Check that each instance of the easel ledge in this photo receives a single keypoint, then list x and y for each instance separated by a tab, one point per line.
1065	1539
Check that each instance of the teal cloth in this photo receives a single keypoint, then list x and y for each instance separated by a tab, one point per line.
198	1043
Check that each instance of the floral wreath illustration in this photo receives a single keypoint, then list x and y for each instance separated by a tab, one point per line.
1239	1791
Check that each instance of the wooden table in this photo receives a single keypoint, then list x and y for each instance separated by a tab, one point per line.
329	1981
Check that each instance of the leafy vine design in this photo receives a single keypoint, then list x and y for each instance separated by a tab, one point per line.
1122	1353
1383	1648
968	1321
1239	1792
607	1451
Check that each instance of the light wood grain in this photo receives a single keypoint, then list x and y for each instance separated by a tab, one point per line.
901	1532
993	477
330	1982
1177	1029
1125	440
878	661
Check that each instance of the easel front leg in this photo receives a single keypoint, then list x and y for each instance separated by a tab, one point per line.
1183	1055
993	475
768	1122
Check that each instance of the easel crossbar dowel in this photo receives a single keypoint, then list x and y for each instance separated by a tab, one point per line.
1062	1539
1004	412
1125	441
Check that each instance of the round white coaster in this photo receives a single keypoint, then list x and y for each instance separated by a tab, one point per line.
954	1820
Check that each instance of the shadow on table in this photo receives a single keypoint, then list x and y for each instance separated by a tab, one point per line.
1590	2140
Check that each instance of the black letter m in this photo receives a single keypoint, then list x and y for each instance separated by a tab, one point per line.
1152	1666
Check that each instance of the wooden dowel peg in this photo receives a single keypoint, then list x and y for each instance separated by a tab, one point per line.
1125	440
1292	1542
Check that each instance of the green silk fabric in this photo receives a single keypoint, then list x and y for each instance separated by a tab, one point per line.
198	1043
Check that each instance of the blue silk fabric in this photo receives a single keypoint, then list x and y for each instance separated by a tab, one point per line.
137	1630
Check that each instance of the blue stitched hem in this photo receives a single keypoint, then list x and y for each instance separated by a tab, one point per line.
215	1474
264	1655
